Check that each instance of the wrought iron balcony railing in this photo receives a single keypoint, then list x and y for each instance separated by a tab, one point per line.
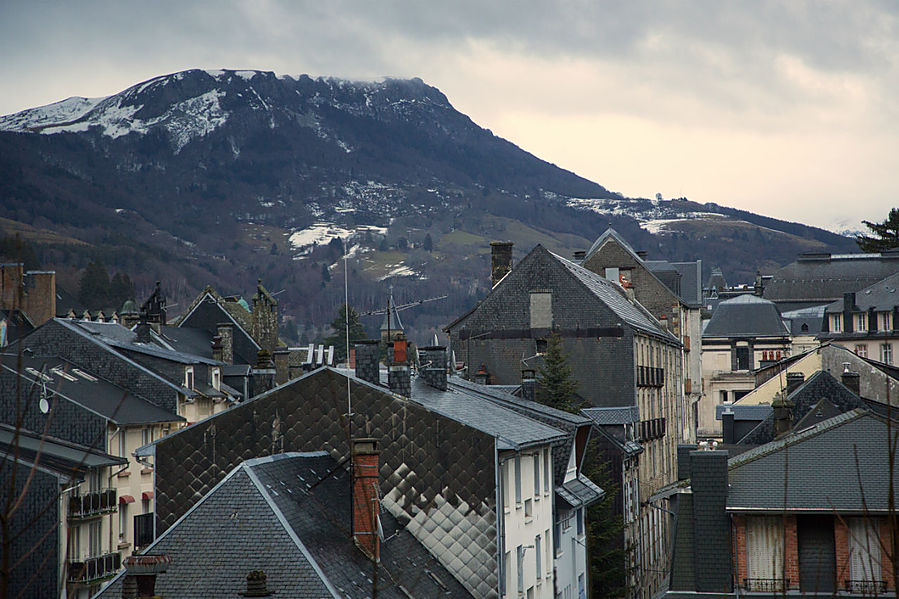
866	587
92	504
94	569
766	584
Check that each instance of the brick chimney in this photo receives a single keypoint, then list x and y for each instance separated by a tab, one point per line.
366	502
850	380
529	384
140	575
226	332
367	357
433	366
398	378
500	260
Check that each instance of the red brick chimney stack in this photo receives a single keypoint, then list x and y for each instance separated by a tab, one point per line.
366	502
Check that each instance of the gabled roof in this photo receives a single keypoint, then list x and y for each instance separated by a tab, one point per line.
787	474
59	377
68	460
610	233
882	295
579	492
615	416
613	296
746	316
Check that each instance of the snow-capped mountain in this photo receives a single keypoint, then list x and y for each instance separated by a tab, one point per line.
223	173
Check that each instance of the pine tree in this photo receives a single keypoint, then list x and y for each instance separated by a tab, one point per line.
338	339
428	243
886	234
555	387
93	292
121	289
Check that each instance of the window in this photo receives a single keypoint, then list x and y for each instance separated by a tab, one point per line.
765	550
741	358
536	475
95	538
216	379
520	553
143	530
530	593
123	523
547	468
507	573
505	486
886	353
557	538
864	554
146	435
123	446
538	555
518	480
885	321
580	521
836	323
189	377
541	346
581	587
861	350
861	322
549	557
566	522
804	328
528	508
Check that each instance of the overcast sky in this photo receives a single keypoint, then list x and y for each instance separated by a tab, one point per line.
789	109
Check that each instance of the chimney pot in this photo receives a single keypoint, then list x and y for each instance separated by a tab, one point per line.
256	584
794	380
529	384
851	380
433	366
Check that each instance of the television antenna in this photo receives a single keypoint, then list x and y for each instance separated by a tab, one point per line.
392	309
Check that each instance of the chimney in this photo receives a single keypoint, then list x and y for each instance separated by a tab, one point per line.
262	374
848	309
641	254
217	348
365	496
850	380
727	426
367	357
226	332
398	378
580	256
256	584
282	365
529	384
500	260
433	366
683	460
143	332
140	575
708	480
783	416
481	376
794	379
663	320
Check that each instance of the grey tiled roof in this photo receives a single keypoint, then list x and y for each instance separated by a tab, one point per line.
787	473
614	297
746	316
882	295
691	281
511	429
498	393
744	412
118	336
91	392
613	416
828	278
610	232
65	458
580	491
197	342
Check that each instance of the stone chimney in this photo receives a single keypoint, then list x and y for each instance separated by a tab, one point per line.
262	374
500	260
398	377
727	426
140	575
367	357
783	416
265	318
794	379
226	332
217	348
433	366
850	380
366	502
143	332
40	296
529	384
282	365
711	525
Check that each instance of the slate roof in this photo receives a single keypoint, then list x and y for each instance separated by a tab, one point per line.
579	492
511	429
68	459
614	297
288	515
805	397
610	232
691	281
744	412
188	340
87	390
120	337
613	416
825	277
812	318
746	316
786	474
882	295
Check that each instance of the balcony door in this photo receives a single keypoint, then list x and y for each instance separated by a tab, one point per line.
817	554
764	553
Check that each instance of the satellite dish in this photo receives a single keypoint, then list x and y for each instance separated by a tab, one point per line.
44	405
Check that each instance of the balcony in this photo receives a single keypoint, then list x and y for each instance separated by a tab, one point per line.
90	505
648	376
94	569
766	585
868	588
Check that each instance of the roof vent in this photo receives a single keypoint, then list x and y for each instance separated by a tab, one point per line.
256	584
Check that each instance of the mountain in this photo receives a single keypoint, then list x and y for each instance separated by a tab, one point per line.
229	176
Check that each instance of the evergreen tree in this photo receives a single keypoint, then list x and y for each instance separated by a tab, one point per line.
428	243
93	291
338	339
555	387
885	235
121	289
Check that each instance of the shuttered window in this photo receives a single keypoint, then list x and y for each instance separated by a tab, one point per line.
764	549
864	550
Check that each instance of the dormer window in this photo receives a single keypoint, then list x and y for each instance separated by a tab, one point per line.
836	323
216	379
885	321
189	377
861	322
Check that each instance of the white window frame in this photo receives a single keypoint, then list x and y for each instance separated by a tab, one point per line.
538	556
886	353
216	378
861	321
861	350
537	460
189	377
517	475
836	323
885	321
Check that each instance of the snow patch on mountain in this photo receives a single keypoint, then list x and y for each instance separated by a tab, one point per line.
322	233
64	111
